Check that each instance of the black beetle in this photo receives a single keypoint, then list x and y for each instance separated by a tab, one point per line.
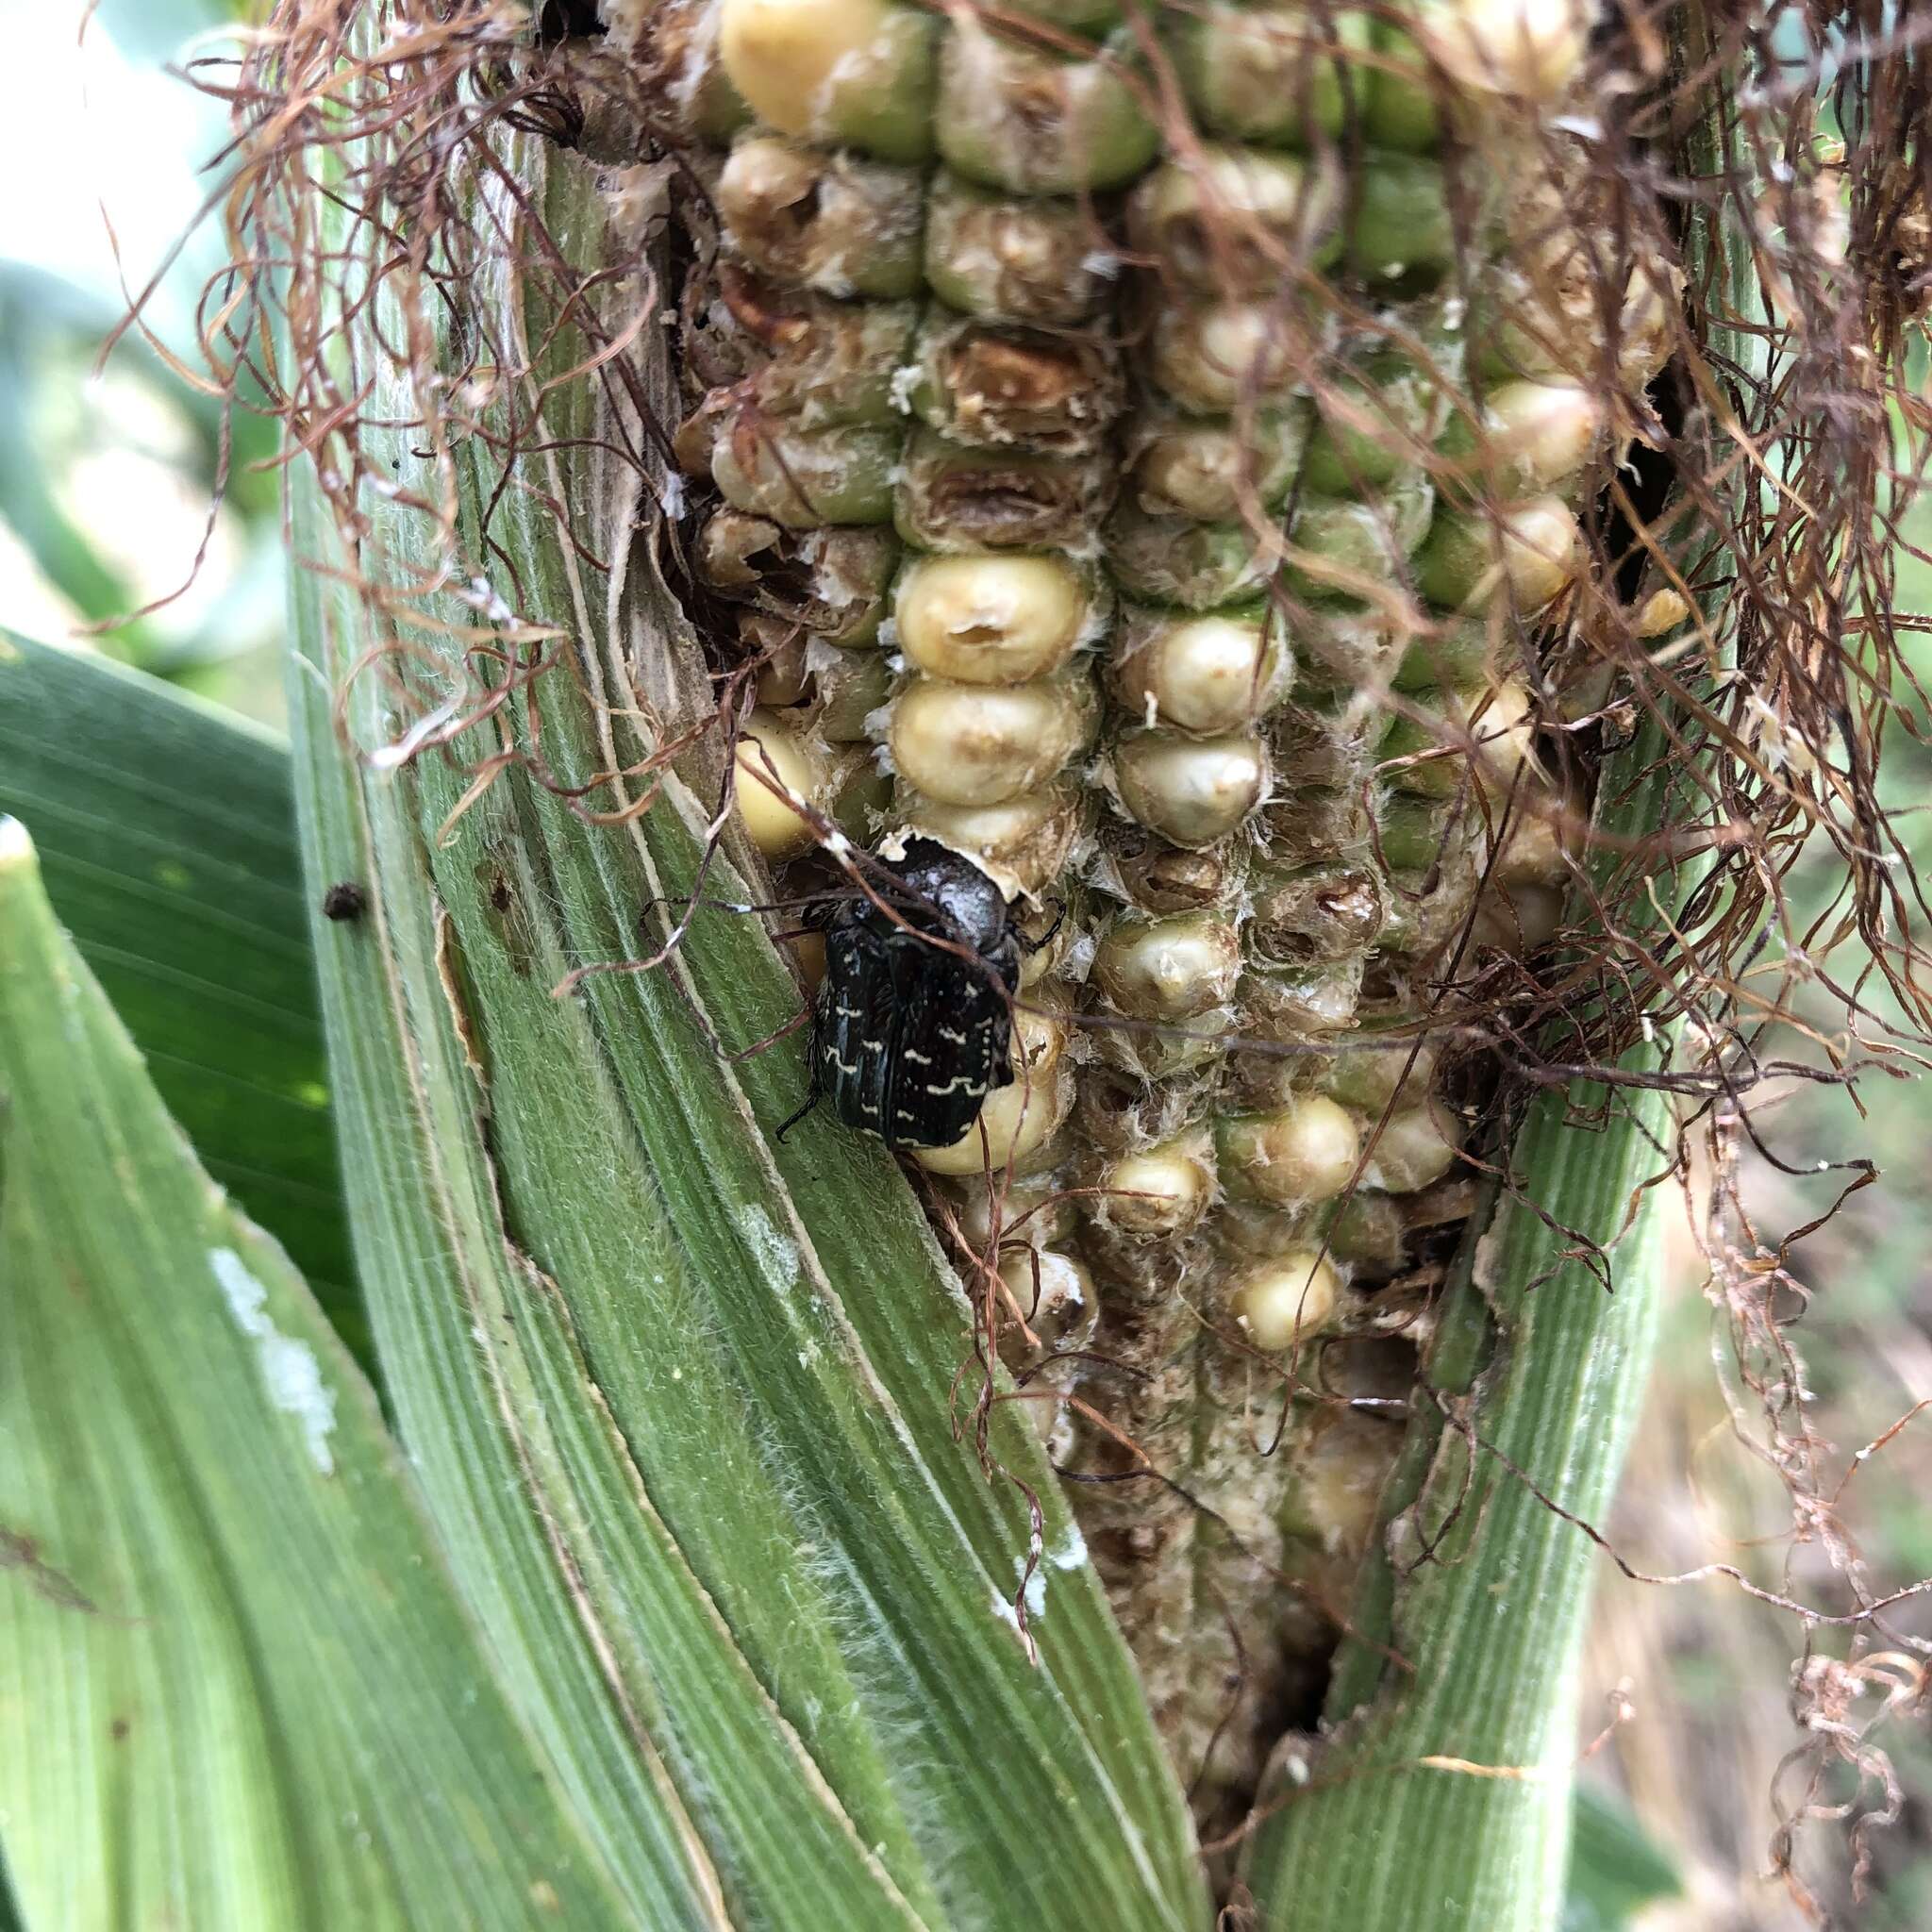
909	1036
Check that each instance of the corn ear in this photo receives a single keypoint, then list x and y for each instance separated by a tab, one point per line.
1158	516
1198	635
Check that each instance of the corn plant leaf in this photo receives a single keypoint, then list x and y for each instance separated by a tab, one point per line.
240	1692
681	1398
1616	1867
166	832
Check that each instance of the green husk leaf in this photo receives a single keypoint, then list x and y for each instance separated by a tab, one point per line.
1482	1578
679	1397
1471	1754
1464	1755
211	1729
166	832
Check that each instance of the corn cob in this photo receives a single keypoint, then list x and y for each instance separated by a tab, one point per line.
1147	508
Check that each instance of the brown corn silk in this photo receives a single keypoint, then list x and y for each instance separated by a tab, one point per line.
1238	472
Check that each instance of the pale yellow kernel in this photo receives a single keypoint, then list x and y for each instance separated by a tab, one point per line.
1286	1300
777	777
990	619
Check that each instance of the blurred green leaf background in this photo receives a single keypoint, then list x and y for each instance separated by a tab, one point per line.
107	491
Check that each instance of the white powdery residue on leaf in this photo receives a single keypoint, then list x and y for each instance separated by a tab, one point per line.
386	757
1036	1594
1032	1589
489	601
289	1372
777	1258
1071	1551
1035	1603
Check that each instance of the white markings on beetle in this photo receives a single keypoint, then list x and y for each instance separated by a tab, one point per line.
960	1083
289	1372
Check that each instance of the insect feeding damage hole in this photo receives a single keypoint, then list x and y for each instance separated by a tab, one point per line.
569	20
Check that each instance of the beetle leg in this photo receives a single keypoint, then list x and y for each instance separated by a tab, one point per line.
1046	939
772	1038
814	1093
